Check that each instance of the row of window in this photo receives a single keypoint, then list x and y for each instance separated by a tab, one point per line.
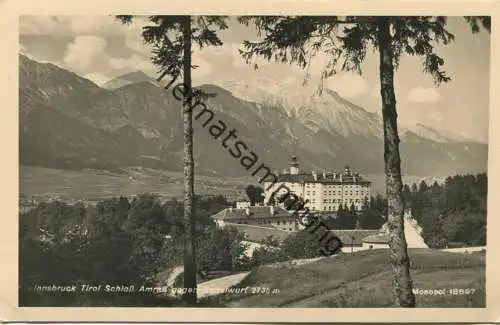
339	201
283	228
308	193
335	208
334	187
269	222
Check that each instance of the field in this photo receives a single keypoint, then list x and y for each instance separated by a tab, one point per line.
94	184
363	279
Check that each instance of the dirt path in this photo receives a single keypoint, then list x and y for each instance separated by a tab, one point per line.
217	286
173	275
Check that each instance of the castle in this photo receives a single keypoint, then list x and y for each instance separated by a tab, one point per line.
326	191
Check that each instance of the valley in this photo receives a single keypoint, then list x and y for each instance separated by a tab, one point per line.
93	185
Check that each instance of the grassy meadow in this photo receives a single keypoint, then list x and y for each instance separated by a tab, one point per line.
363	279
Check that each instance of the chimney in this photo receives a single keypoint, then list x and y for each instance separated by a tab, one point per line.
294	166
315	175
231	209
271	209
247	211
334	175
324	174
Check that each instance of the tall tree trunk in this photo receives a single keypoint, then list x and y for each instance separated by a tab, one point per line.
398	252
189	213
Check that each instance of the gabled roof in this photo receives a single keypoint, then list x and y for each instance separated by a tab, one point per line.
353	237
377	239
257	234
256	212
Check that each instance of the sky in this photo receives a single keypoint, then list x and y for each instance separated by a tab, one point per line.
100	48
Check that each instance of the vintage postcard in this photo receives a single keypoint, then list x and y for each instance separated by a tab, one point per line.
261	162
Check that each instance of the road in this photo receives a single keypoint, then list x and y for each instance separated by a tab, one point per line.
217	286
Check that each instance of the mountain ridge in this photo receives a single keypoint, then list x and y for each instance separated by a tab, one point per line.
140	124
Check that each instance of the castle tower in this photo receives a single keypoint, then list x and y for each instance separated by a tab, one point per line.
294	166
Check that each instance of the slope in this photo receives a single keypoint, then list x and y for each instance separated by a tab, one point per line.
363	279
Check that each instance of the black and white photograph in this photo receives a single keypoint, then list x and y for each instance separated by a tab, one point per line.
237	161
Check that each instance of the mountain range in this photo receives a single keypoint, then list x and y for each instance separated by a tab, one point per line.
67	121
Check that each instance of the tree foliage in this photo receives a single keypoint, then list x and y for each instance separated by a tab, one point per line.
346	40
255	194
119	241
453	213
164	34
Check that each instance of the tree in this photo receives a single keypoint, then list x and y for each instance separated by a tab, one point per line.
221	249
148	227
173	57
255	194
406	196
346	41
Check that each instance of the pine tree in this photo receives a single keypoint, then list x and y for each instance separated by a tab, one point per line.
346	40
172	38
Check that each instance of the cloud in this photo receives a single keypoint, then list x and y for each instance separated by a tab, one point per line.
204	68
375	93
76	25
80	53
423	95
228	51
39	25
317	64
135	62
238	61
23	48
348	85
97	78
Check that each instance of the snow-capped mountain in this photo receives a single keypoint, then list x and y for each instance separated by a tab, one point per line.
327	111
67	121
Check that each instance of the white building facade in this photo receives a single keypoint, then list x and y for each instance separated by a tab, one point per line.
413	235
325	191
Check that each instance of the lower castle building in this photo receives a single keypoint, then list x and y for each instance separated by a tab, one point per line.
325	191
260	216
